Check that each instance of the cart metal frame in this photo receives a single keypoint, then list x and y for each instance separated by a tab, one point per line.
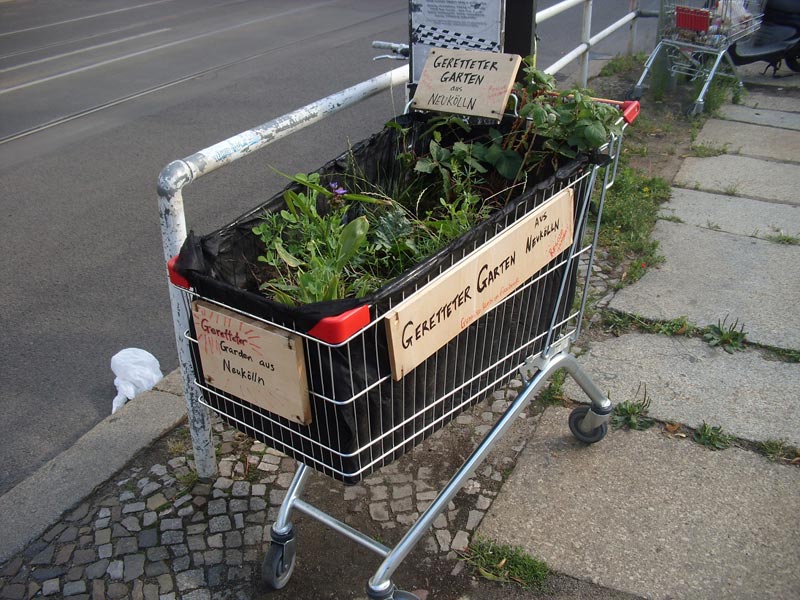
587	423
696	41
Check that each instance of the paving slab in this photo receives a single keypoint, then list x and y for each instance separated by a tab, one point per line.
709	275
754	74
742	176
758	99
763	116
690	382
742	216
653	516
758	141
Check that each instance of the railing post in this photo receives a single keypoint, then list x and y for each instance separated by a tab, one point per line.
586	36
173	233
634	7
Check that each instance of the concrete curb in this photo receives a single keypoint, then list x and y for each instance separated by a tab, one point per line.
37	502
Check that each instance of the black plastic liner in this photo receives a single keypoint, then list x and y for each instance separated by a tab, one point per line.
361	418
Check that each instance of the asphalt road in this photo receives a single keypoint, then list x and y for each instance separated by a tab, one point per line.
95	98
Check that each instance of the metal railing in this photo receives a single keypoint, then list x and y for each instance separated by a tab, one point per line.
181	173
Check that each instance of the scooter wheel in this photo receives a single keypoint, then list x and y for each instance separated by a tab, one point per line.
793	62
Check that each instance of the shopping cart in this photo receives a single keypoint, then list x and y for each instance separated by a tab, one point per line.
361	415
696	38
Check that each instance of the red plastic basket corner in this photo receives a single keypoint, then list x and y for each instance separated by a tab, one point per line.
337	329
175	277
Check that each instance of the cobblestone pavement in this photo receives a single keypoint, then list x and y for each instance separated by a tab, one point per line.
156	533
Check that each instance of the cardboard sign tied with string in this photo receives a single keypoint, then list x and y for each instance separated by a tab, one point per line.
466	82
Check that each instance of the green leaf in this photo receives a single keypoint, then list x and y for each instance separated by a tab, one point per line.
285	256
424	165
595	134
351	239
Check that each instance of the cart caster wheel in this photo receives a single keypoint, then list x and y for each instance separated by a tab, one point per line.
696	109
636	93
575	419
392	593
278	565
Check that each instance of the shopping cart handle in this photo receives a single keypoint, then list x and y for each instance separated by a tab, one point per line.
630	110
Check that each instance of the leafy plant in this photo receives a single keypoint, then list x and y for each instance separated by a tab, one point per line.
729	337
782	238
553	393
330	243
307	251
629	216
506	564
779	451
712	437
632	414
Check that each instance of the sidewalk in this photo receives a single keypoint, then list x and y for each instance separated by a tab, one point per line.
641	514
649	512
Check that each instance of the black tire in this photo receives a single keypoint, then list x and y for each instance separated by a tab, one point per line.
278	565
793	62
575	419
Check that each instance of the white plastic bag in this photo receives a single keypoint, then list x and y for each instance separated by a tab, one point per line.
136	371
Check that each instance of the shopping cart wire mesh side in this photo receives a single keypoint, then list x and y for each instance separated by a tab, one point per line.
362	419
696	38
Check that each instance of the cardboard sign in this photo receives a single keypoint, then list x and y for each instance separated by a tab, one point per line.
435	314
253	361
466	82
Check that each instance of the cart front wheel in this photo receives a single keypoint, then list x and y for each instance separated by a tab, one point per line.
278	565
576	418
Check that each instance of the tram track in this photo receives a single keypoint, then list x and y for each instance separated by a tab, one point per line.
166	85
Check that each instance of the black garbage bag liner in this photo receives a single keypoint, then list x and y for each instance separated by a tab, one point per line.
361	418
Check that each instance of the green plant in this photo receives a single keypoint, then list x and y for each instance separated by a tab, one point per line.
708	150
712	437
729	337
781	238
632	414
187	481
778	450
307	252
671	218
625	63
731	189
629	216
553	394
506	564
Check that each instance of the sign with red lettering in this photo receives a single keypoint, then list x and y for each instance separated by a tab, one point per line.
467	82
252	361
435	314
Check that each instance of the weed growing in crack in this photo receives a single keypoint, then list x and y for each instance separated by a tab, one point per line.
779	450
506	564
712	437
729	337
632	414
553	394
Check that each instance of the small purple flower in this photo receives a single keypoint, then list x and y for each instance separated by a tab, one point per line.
338	191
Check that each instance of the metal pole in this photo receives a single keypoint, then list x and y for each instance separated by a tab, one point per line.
634	7
173	233
586	35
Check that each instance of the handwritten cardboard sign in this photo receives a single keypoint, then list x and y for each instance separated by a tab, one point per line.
252	361
427	320
467	82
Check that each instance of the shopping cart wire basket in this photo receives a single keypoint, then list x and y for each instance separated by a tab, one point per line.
356	411
696	37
